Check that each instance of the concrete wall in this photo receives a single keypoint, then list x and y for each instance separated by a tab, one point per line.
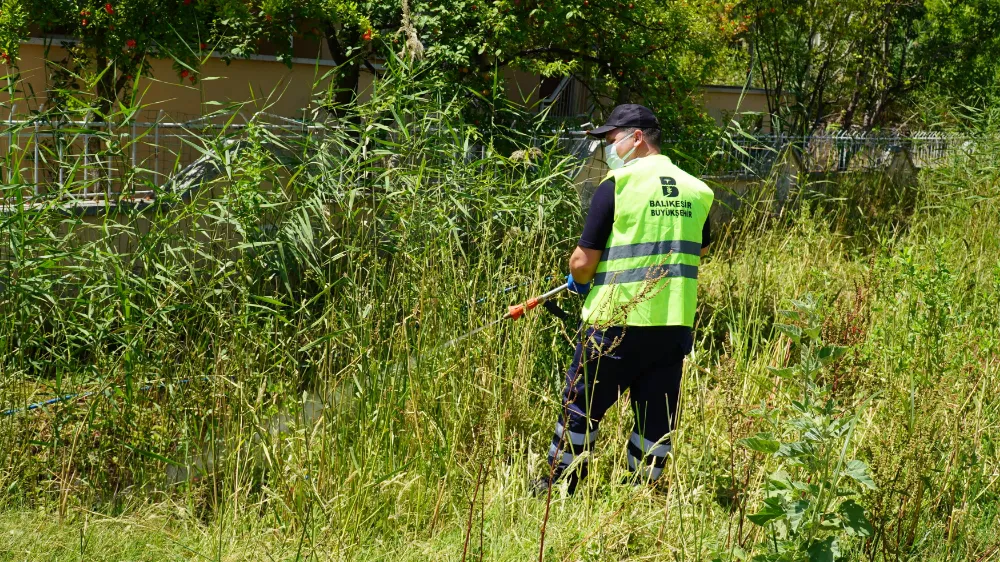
271	85
265	85
521	86
723	103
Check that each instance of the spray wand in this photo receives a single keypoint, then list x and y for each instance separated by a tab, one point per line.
516	311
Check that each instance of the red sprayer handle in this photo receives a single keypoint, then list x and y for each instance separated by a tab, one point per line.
516	311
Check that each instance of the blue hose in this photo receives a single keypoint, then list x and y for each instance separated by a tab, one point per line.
65	397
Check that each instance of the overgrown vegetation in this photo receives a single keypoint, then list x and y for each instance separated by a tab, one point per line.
661	52
267	378
860	65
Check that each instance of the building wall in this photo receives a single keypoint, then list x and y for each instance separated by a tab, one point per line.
265	84
722	103
261	84
521	86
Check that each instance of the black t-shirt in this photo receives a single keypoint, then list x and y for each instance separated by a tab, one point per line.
601	216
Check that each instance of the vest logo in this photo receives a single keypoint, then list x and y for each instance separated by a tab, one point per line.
669	186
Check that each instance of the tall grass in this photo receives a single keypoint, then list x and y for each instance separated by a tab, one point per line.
269	383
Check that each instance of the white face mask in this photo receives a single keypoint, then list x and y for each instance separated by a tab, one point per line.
611	155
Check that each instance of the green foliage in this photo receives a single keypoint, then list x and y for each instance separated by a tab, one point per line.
115	39
962	41
808	506
857	64
645	50
862	63
13	22
319	241
116	36
263	352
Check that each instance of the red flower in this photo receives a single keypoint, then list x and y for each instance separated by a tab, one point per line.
130	43
268	17
202	46
83	23
191	79
109	9
367	36
187	2
184	74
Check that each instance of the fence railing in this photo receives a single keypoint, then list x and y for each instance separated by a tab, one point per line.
567	100
755	156
93	160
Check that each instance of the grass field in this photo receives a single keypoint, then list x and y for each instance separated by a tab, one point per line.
240	308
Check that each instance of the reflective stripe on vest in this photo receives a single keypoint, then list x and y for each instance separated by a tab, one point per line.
652	249
648	273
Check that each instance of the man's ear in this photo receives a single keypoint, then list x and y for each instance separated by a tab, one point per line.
639	137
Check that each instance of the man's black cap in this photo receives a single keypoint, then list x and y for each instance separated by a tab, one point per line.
627	115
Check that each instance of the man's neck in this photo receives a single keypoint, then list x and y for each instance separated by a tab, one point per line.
647	152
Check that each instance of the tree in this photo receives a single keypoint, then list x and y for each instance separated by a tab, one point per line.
862	62
646	51
799	48
882	67
904	47
114	39
629	50
963	39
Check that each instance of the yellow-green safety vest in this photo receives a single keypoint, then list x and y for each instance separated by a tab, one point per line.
648	274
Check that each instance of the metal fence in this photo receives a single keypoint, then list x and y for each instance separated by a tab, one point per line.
93	160
567	100
755	156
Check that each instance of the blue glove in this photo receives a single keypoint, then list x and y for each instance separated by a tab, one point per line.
578	288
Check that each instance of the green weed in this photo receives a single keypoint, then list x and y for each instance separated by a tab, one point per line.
248	349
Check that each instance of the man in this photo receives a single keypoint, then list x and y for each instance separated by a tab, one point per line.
645	233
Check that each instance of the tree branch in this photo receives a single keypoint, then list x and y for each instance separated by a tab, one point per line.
566	53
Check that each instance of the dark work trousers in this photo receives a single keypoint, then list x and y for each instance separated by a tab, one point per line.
645	360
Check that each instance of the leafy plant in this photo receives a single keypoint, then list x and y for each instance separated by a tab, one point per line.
810	499
198	327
